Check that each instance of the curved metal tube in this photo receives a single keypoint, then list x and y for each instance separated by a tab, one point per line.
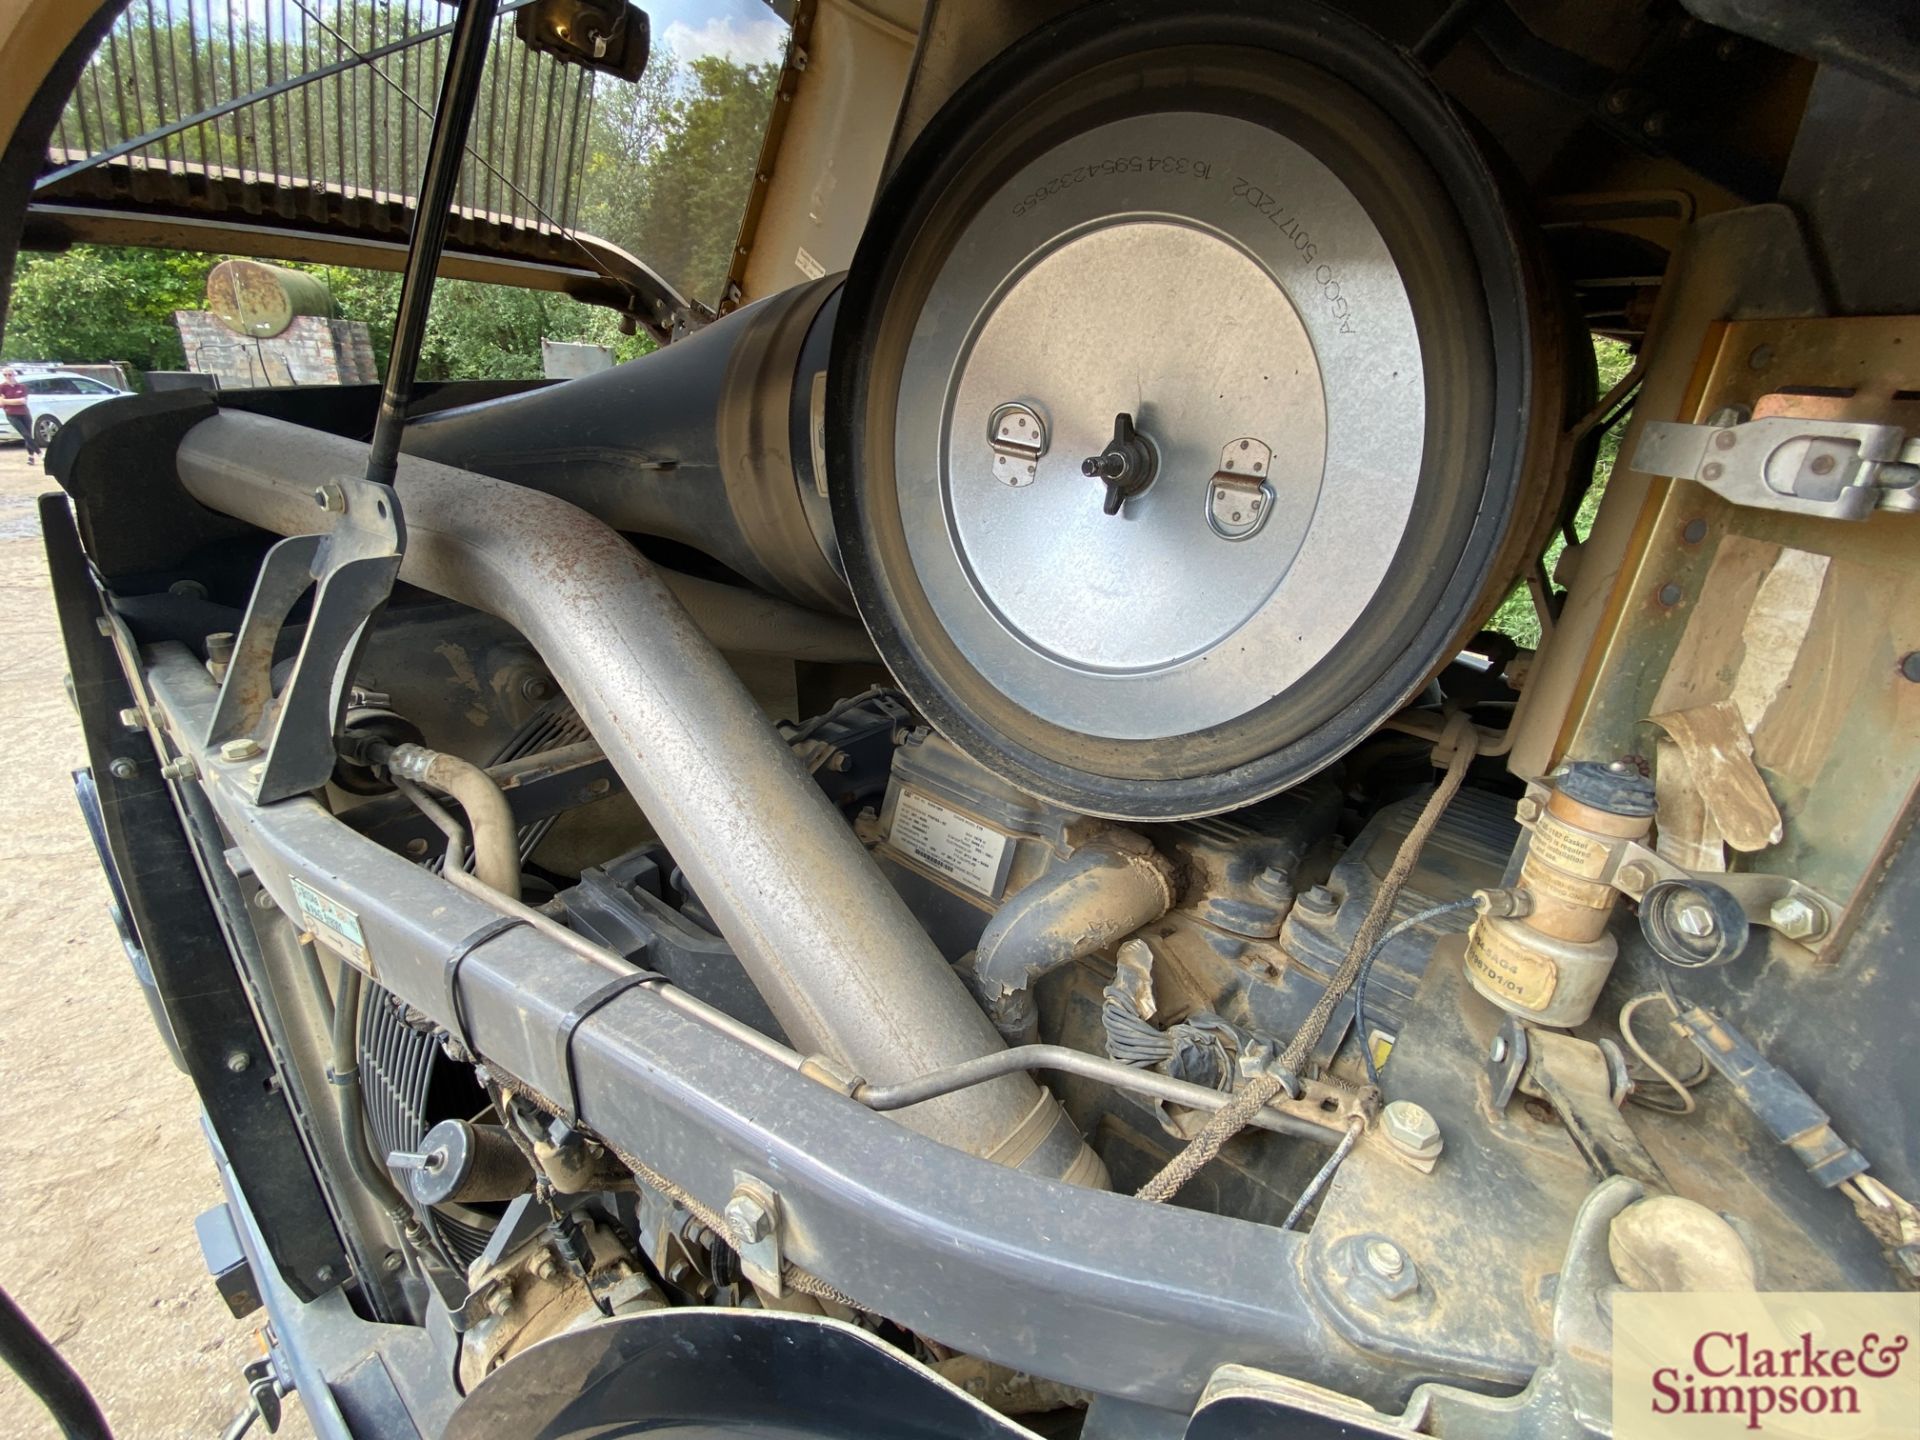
1091	1067
1106	889
838	956
496	839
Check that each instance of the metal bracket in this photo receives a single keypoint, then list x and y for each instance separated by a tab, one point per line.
1585	1083
1779	902
1240	495
350	569
1838	469
753	1228
1018	435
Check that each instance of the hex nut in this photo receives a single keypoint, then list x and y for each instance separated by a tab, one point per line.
500	1299
1411	1129
181	767
245	748
748	1218
1527	811
1797	919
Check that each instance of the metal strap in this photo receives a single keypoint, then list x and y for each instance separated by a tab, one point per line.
578	1016
492	930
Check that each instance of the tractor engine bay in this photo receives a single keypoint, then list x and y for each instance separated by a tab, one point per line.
967	816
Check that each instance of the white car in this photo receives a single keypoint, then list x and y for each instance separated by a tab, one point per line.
56	396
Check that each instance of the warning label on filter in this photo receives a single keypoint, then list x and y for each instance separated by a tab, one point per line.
332	924
958	847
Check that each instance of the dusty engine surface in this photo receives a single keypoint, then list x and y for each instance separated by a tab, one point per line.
961	840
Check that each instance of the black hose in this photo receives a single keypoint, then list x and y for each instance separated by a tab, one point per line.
41	1369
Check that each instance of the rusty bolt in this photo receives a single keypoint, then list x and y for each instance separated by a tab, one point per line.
242	749
1797	919
1411	1129
1385	1259
330	498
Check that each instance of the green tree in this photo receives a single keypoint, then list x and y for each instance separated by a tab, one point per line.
90	304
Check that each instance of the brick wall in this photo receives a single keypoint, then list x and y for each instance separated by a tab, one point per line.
313	350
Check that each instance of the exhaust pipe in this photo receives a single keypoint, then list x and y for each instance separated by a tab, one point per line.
841	961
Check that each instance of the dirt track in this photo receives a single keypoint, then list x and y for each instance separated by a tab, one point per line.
102	1164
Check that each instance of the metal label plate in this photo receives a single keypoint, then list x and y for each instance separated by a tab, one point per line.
335	926
955	845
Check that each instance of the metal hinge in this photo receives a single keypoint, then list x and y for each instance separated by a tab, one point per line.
1836	469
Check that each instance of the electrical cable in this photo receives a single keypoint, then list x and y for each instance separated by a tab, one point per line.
1682	1088
1366	968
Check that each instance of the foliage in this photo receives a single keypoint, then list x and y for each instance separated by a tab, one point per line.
88	304
1516	615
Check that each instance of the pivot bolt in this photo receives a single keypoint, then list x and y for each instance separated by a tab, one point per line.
1797	919
1385	1259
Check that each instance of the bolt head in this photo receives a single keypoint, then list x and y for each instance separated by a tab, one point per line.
324	1275
1797	919
500	1299
748	1219
131	719
1694	919
1497	1052
417	846
545	1267
393	1262
1385	1259
330	498
238	1061
181	767
1528	810
245	748
1411	1128
1634	876
122	769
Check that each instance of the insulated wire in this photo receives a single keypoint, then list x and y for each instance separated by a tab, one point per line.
1366	968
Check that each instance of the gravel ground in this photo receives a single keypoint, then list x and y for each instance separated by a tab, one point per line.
102	1164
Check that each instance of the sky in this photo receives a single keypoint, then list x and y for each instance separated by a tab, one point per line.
744	30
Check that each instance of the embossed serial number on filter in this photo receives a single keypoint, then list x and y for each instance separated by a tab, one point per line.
1116	165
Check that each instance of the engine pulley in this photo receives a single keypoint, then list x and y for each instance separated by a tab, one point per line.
1178	404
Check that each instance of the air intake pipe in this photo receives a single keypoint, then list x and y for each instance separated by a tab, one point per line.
708	442
841	961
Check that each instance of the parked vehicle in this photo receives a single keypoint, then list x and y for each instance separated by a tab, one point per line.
953	852
55	396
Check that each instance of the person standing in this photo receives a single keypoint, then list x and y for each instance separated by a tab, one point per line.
13	400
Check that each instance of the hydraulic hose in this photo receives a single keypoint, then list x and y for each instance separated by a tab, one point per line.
496	838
